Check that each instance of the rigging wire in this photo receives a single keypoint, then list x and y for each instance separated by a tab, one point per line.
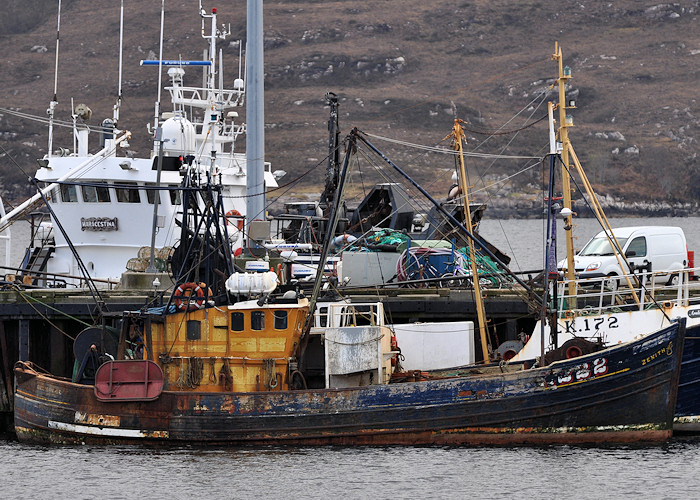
588	204
490	195
60	123
474	154
12	159
422	190
541	97
361	150
28	299
451	152
504	132
416	203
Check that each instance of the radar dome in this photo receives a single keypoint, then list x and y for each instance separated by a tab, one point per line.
179	136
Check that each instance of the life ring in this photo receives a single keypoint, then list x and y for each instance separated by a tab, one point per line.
233	213
184	301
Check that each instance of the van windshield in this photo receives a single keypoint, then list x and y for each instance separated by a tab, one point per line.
601	246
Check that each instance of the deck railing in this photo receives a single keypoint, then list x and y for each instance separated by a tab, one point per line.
612	293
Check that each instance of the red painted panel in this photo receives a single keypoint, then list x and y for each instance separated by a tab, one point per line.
128	380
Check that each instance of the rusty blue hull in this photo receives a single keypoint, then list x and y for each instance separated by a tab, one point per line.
688	402
625	393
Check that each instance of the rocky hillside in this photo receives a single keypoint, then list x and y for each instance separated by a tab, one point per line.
403	70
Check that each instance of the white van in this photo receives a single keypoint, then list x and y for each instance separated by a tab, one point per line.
662	247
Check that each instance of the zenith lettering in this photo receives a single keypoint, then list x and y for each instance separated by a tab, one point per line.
668	350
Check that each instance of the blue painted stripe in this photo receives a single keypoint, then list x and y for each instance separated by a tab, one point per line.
173	62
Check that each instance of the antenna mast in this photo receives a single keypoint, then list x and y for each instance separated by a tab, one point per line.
212	117
118	104
160	63
54	101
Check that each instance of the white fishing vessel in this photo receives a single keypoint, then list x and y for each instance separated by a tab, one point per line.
107	204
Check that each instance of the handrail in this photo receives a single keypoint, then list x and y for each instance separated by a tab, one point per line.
52	276
608	294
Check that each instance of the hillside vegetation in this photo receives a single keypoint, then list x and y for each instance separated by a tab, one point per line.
402	69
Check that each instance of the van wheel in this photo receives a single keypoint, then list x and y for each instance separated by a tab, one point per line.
673	280
613	283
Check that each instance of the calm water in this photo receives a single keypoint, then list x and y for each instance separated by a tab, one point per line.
653	472
668	470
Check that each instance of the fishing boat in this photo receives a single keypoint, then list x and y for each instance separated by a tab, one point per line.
201	370
625	393
615	309
107	206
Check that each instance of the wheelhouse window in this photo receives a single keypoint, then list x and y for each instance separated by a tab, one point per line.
280	320
128	194
237	321
322	316
257	320
69	193
151	195
175	198
96	194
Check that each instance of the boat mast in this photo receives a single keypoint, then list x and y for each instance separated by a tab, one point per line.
567	150
564	124
54	101
255	124
333	153
457	137
213	116
333	217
